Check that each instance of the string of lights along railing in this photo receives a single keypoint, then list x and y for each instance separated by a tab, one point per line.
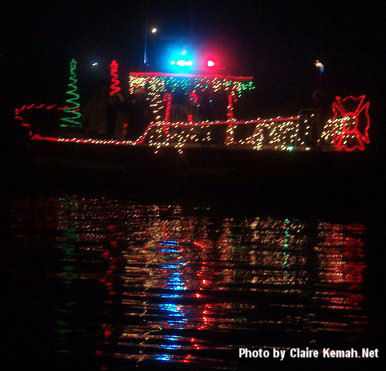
72	112
278	133
34	106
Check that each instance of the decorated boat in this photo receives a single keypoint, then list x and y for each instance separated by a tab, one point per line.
196	136
182	124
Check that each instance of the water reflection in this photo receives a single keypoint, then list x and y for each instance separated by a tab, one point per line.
161	283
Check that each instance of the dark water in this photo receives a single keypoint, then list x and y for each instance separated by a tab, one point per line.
101	283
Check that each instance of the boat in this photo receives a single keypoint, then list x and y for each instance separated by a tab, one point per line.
184	147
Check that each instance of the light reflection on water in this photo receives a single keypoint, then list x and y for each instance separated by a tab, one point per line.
164	283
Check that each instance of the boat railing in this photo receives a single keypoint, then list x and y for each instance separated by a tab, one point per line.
307	130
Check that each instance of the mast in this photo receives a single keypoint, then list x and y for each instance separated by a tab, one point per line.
145	38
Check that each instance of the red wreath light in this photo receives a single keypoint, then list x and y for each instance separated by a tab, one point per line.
355	129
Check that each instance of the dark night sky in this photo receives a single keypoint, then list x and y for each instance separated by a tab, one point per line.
276	41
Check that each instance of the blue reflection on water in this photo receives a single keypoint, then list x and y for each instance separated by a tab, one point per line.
169	243
163	357
169	266
175	317
172	337
168	250
169	346
170	296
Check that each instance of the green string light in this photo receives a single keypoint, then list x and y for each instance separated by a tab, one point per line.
72	111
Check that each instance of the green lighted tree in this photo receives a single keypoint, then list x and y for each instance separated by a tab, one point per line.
72	117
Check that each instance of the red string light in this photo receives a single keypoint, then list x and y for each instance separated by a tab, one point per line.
168	100
34	106
230	115
194	96
115	84
231	99
351	127
194	100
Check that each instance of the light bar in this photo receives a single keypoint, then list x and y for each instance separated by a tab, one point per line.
184	63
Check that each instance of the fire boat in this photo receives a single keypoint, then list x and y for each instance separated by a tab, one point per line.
180	139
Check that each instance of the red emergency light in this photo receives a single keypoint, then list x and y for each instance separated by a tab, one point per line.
211	63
